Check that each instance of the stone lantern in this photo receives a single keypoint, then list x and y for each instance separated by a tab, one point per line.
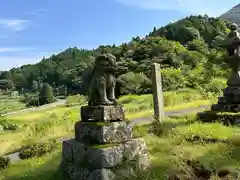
230	102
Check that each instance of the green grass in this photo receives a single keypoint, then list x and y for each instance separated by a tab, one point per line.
9	105
59	122
167	150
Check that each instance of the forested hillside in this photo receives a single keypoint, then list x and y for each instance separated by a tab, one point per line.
186	50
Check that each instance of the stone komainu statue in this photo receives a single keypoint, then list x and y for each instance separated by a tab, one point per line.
232	38
102	85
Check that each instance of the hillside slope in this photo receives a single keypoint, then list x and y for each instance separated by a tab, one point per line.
233	15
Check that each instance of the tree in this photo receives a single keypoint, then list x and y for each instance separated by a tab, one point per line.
46	94
134	83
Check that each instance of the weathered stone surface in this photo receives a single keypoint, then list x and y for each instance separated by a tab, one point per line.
98	157
102	174
67	153
225	118
102	133
103	81
71	172
226	107
157	92
102	113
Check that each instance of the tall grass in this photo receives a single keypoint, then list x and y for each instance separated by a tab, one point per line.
137	103
59	122
168	151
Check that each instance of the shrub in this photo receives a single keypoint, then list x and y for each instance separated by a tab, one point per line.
10	127
36	150
134	83
32	102
75	100
4	162
7	125
172	79
46	94
216	85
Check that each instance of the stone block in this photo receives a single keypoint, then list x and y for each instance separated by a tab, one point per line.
226	107
100	157
125	170
102	174
103	132
102	113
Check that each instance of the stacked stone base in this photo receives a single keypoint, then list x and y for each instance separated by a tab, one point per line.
103	150
98	162
226	110
230	102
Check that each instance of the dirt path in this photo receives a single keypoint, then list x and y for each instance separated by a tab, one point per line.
14	157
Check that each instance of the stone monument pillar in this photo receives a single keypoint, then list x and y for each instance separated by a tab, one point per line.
157	93
103	147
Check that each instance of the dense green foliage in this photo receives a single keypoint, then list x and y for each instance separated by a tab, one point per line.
46	94
37	150
4	162
186	50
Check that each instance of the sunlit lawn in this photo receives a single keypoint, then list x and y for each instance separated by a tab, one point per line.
167	151
58	122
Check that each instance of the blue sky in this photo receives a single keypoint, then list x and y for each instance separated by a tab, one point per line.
32	29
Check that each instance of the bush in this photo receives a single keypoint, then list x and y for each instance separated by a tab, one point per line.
216	85
46	94
75	100
172	79
4	162
10	127
36	150
134	83
7	125
33	102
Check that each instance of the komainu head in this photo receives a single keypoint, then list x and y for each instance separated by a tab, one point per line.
106	62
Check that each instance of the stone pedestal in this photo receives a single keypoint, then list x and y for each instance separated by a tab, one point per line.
102	113
103	150
230	102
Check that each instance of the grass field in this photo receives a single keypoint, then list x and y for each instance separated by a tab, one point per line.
59	122
172	143
8	104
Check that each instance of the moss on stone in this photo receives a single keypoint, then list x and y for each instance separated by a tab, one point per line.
99	146
228	114
98	123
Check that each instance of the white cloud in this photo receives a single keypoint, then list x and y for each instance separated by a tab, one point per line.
14	24
10	49
36	12
213	8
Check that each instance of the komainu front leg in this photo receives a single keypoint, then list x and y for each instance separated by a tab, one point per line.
111	94
103	95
